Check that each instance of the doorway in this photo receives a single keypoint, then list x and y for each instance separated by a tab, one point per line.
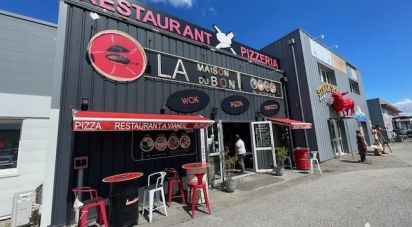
229	141
338	138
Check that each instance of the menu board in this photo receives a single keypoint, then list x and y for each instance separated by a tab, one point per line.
262	135
153	145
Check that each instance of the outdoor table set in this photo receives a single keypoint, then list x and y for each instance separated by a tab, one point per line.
124	195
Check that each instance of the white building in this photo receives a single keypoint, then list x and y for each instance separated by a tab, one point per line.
27	52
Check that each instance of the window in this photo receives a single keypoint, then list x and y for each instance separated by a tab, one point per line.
354	87
9	143
327	75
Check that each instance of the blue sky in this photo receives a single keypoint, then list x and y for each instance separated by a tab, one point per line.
375	35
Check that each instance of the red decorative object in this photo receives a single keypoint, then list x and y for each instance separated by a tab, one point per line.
342	104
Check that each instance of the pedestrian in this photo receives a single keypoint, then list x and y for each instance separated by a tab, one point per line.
377	145
241	152
381	138
362	146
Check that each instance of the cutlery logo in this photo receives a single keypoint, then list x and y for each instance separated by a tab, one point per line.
117	56
225	39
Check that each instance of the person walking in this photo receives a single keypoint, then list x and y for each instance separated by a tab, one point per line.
241	152
362	146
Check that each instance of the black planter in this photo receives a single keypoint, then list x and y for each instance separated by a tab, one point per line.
229	186
279	170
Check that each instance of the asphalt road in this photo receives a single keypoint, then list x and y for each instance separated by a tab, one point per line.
380	197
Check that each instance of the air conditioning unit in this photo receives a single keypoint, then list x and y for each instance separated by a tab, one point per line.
22	207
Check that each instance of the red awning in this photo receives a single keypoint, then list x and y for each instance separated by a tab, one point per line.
114	121
293	123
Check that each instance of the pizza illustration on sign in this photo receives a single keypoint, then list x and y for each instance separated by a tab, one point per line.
173	143
117	56
185	141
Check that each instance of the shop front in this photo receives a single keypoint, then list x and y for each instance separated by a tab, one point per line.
138	96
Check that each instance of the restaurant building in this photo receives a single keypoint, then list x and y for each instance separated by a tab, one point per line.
139	90
382	113
26	69
314	72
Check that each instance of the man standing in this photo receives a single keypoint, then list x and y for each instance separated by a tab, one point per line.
362	146
241	152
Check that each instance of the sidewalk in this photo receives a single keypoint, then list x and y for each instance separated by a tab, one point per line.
256	186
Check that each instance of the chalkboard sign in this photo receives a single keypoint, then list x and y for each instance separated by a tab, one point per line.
262	135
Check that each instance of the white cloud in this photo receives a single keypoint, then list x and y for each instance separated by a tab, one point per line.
176	3
213	11
405	106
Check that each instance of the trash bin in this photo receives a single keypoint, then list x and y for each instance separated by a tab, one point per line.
302	158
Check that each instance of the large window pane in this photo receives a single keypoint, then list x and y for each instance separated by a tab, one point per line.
9	143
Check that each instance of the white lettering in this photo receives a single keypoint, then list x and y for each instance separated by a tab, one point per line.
180	69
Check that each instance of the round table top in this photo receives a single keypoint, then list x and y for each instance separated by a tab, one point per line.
195	165
122	177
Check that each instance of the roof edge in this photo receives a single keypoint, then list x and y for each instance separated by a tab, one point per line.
29	19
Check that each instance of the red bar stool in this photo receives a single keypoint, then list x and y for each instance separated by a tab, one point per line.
93	202
175	179
194	187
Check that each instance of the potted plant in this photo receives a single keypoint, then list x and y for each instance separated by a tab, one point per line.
281	154
229	185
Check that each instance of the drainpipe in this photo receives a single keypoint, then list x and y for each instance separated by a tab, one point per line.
291	43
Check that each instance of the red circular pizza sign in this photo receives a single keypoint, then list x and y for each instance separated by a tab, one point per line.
117	56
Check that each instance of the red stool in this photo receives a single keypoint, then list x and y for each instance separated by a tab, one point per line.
93	202
194	187
175	179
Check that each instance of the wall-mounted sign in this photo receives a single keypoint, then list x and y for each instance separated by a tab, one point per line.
117	56
188	101
325	88
262	86
154	145
269	108
169	67
235	104
136	11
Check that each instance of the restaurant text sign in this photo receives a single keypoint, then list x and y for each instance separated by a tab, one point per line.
187	101
91	126
173	68
217	39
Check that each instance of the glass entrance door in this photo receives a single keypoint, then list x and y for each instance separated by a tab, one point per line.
214	145
335	137
262	137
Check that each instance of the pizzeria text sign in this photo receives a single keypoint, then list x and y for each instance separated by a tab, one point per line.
218	39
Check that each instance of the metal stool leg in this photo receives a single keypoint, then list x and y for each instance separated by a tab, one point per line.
317	162
164	201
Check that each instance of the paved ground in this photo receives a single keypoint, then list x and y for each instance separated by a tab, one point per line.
348	194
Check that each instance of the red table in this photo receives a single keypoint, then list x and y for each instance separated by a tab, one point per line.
195	166
122	177
123	198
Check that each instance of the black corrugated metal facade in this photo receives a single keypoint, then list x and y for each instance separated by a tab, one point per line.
108	152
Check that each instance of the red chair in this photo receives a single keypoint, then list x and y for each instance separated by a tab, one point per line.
175	179
194	187
94	201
